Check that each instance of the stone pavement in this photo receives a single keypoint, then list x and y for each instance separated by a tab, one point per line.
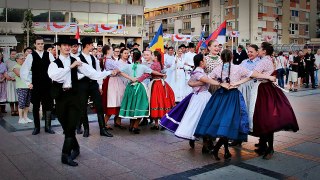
160	155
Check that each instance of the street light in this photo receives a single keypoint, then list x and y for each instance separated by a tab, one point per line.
277	26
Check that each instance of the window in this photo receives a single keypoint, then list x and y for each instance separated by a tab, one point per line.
15	15
307	28
80	17
135	2
98	18
231	24
139	21
115	1
40	16
262	9
2	14
186	25
230	10
116	19
307	16
294	13
128	20
134	21
59	16
294	28
277	10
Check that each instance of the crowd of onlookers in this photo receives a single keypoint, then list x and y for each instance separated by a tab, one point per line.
295	70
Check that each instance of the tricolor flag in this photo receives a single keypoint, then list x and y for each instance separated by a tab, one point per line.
201	42
157	43
219	34
77	36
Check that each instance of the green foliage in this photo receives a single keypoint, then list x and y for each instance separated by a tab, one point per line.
27	25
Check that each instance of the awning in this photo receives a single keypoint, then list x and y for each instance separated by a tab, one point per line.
8	41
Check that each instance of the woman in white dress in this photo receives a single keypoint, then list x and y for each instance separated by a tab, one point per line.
179	85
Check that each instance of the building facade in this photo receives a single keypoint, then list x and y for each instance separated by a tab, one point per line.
128	13
276	21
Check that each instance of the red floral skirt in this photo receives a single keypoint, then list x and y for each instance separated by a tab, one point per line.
161	100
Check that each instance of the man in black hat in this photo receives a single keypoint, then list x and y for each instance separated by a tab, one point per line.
89	87
74	48
65	89
38	62
136	46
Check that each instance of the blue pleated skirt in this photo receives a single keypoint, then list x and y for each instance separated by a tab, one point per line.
224	116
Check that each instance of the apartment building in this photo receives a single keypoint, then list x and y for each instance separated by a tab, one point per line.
276	21
183	18
126	13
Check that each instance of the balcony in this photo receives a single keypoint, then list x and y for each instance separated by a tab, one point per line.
181	13
204	21
186	31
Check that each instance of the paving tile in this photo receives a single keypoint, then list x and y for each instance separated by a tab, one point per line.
229	173
126	176
8	170
28	162
283	163
310	174
309	148
106	166
147	168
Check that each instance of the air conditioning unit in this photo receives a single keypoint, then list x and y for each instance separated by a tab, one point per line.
192	29
179	30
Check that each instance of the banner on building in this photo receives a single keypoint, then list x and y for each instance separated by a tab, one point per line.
268	38
55	27
177	37
103	28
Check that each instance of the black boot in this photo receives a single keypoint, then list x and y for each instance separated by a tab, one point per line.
79	130
191	143
47	127
216	148
75	150
86	132
36	131
103	129
66	152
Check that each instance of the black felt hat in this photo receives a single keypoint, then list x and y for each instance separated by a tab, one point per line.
63	40
86	40
74	42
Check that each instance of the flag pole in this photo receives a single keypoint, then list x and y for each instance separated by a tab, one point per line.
232	43
56	46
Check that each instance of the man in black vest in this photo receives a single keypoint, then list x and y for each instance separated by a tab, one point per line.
92	88
239	55
309	60
65	89
40	83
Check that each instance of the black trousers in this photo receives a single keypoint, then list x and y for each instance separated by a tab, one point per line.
91	89
310	72
67	109
40	97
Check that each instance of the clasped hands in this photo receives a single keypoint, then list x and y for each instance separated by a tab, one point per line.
229	85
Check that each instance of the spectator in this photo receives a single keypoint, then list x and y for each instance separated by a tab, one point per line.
309	60
3	85
11	84
317	66
23	91
27	50
280	64
293	73
239	55
301	70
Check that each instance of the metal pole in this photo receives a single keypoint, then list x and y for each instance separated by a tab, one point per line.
56	45
28	34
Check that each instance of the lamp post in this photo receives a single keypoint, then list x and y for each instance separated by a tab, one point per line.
277	26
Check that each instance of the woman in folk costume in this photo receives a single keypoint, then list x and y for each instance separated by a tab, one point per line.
135	103
161	95
269	107
112	89
179	86
213	60
225	114
197	103
124	61
245	88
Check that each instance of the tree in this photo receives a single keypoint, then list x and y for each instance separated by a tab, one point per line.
27	27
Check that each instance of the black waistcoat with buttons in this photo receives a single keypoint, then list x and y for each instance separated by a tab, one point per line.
40	77
57	89
83	59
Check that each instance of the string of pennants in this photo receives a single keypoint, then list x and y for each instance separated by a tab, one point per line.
72	27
